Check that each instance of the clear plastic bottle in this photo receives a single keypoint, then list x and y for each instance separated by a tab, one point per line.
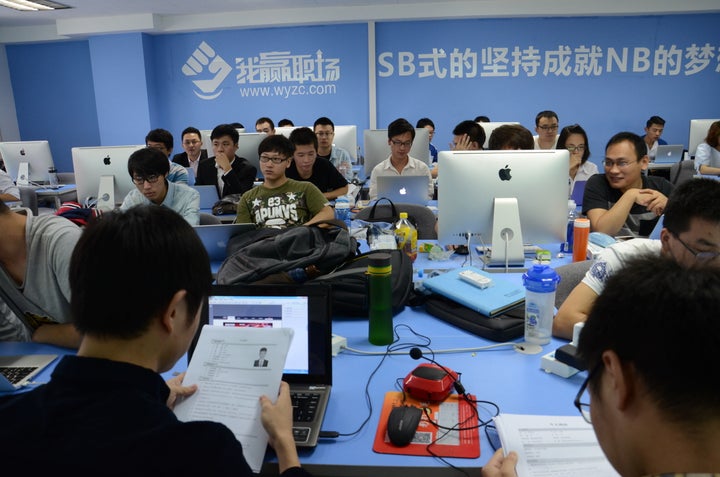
567	247
406	236
342	209
380	294
52	177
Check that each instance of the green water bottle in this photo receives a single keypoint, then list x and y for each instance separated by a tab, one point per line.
380	290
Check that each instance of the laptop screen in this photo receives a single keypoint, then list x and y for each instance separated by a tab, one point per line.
304	308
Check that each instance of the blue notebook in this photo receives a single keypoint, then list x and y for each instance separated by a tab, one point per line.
494	300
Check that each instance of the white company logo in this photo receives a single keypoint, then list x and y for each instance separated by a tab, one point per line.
204	61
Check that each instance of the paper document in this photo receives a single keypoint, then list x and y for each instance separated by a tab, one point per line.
233	367
553	446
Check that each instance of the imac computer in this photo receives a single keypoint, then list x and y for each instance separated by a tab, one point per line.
207	142
285	130
490	127
377	148
503	199
248	149
698	133
346	138
101	173
27	162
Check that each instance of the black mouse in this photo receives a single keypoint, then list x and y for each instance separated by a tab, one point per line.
402	423
461	250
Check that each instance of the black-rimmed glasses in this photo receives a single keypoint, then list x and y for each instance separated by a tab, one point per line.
151	179
583	405
700	256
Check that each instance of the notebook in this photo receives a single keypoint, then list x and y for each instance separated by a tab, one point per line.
208	195
501	296
403	189
215	239
17	371
308	367
669	154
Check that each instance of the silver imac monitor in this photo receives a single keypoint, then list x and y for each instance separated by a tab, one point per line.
377	148
27	162
490	127
94	166
346	137
698	132
286	130
248	148
502	199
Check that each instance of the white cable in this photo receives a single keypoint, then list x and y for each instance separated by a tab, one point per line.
442	351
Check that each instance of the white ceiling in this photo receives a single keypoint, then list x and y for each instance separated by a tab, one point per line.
90	17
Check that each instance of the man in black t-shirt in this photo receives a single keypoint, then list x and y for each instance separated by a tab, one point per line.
306	166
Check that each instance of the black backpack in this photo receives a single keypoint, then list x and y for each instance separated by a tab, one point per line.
349	284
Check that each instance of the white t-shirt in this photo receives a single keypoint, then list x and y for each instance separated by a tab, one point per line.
615	257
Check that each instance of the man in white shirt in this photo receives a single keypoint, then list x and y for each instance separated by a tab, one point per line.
546	127
654	128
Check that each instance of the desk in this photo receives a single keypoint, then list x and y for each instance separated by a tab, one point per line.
60	194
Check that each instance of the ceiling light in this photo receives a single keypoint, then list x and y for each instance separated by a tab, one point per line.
34	5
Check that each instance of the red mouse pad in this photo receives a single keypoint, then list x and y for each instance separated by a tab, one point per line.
453	411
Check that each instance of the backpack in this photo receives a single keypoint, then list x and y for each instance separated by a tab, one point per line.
268	255
348	284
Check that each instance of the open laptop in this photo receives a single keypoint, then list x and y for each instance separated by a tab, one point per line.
669	154
18	371
404	189
308	368
208	195
215	239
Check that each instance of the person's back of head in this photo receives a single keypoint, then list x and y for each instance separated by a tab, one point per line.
303	137
481	119
237	125
636	141
400	126
162	136
285	123
660	319
225	130
511	136
694	199
655	120
277	143
147	162
127	266
545	114
473	130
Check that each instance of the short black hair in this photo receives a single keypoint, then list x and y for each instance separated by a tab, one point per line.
225	130
694	199
190	130
277	143
285	122
574	129
422	122
512	136
161	135
545	114
303	137
400	126
481	119
128	265
661	318
474	131
637	142
323	121
265	120
148	161
655	120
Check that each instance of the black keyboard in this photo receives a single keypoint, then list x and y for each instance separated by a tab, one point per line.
305	406
16	374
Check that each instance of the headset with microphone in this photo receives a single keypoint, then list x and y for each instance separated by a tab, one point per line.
431	382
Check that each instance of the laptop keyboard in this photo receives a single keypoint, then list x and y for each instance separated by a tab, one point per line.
305	405
16	374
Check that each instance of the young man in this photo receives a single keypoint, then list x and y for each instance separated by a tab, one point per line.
281	202
653	130
690	234
325	131
546	127
226	171
306	166
401	135
193	151
148	169
467	136
428	124
34	261
624	201
510	137
265	125
163	141
138	280
651	391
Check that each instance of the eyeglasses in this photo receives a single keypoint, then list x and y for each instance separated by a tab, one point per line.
324	134
151	179
191	142
580	404
274	159
622	164
579	148
397	143
549	128
700	256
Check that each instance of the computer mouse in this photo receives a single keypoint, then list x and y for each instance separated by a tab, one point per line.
461	250
402	423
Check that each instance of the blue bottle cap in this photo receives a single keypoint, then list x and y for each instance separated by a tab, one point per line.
541	279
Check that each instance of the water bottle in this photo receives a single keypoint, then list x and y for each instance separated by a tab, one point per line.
52	177
567	247
540	284
342	209
380	291
406	236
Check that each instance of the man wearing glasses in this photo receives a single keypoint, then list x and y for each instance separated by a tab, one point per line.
193	151
690	235
149	169
340	158
162	140
281	202
651	391
401	135
624	201
546	127
228	172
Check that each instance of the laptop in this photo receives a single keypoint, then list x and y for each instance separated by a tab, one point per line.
308	368
404	189
578	192
215	239
208	195
18	371
669	154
